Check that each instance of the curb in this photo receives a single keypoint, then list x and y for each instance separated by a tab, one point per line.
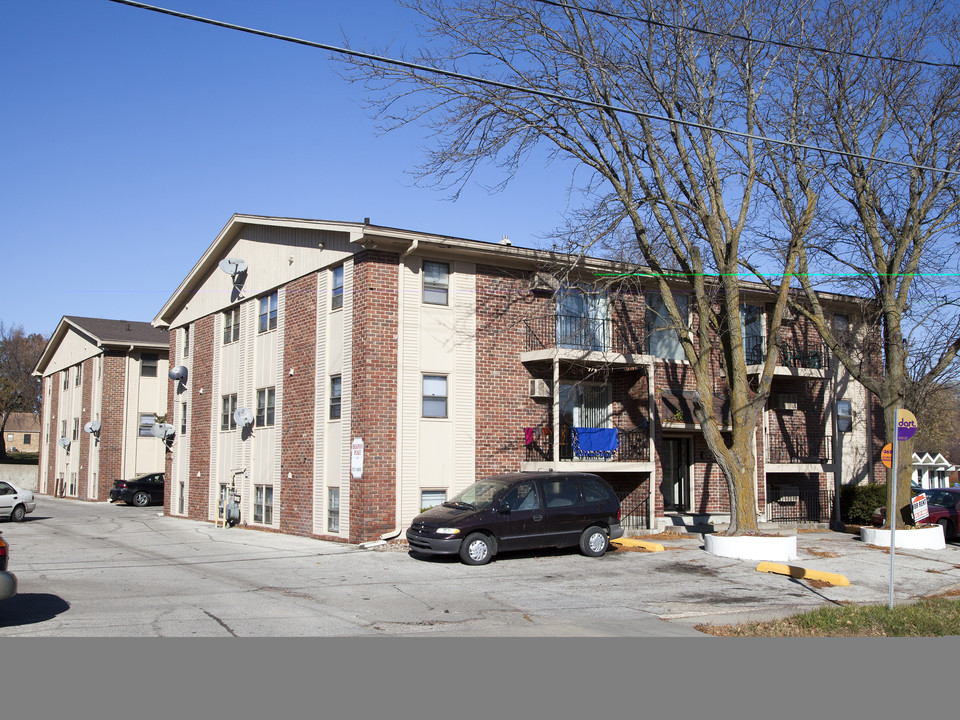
803	573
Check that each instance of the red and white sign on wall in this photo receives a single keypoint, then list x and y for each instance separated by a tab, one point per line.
356	458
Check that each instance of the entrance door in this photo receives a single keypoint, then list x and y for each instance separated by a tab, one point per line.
675	486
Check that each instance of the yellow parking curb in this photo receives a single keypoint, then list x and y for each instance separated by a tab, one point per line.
803	573
634	542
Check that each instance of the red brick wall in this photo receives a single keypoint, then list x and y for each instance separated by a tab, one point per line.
201	443
297	410
171	404
373	498
52	432
85	475
111	416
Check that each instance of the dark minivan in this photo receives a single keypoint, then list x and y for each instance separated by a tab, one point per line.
520	511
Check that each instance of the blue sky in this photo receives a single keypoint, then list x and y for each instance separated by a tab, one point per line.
129	138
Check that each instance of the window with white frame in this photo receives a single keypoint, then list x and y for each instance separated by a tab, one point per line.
228	406
266	406
66	378
148	364
181	491
263	504
336	298
78	378
336	396
431	498
436	282
76	428
268	313
63	428
434	396
146	424
333	510
844	415
231	325
186	341
183	419
662	340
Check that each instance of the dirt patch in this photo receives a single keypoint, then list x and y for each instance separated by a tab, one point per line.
821	553
818	584
946	593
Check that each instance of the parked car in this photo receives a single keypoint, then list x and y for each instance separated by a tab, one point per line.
8	581
141	491
15	502
943	508
520	511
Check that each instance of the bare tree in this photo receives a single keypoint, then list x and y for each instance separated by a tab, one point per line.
634	96
19	390
887	231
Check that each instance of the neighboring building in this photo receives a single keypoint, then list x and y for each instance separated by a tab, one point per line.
104	387
451	359
22	433
932	470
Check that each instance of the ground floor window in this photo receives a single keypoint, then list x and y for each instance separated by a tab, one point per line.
180	493
431	498
263	504
72	490
333	510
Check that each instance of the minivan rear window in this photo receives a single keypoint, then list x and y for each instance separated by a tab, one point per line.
594	491
561	493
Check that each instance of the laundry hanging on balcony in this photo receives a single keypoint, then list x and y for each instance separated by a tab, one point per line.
595	442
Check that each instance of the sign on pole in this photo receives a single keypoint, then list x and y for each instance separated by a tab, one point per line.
906	425
886	455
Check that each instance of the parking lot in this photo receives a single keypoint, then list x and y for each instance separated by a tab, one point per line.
113	570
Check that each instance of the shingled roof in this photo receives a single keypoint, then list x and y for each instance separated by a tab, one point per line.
120	332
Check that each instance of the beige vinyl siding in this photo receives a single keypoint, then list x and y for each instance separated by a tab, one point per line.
320	381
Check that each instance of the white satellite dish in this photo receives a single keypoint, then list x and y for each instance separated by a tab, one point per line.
233	266
92	427
243	417
162	430
178	373
64	442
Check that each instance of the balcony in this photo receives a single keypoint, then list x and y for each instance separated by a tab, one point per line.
800	450
631	445
807	358
583	334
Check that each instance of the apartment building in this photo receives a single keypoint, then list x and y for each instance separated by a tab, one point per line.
339	377
104	385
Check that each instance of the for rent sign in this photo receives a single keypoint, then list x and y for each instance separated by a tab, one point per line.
920	512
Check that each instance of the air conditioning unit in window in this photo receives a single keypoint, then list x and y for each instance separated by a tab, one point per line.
788	402
542	282
539	388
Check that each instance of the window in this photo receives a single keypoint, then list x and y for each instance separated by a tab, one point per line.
146	424
268	313
148	364
263	504
183	419
26	438
78	378
63	428
186	341
431	498
434	396
582	320
231	325
336	391
76	428
333	510
336	300
436	282
841	323
266	406
66	379
844	415
662	340
180	494
228	406
584	405
751	326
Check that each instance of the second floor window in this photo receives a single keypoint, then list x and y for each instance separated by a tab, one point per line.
146	424
434	396
844	415
662	339
228	406
148	364
268	313
78	378
337	288
66	379
751	326
231	325
266	406
183	419
336	392
186	341
436	282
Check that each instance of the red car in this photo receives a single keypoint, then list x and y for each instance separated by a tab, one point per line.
943	508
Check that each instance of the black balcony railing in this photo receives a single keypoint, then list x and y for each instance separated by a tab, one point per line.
793	504
799	449
633	445
812	356
634	512
580	333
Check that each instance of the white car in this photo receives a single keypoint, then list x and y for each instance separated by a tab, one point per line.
15	503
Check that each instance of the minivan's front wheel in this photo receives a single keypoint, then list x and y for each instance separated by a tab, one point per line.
593	542
477	549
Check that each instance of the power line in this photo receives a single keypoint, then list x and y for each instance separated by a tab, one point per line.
417	67
746	38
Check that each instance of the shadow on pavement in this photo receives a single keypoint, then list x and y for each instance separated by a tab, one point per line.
30	608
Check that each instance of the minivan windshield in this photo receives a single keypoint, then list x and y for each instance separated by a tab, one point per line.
477	496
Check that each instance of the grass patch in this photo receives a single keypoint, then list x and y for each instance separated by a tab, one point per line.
934	617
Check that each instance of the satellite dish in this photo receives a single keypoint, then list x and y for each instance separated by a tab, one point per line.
178	373
64	442
243	417
92	427
162	430
233	266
